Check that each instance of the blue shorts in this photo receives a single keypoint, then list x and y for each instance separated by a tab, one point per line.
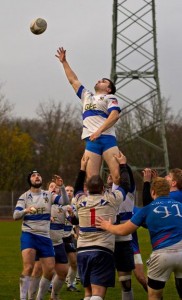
101	144
124	256
41	244
60	254
96	267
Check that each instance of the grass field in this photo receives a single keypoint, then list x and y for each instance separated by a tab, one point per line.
11	265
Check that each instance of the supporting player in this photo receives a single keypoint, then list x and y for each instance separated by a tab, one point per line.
123	253
163	218
95	247
174	178
70	247
100	113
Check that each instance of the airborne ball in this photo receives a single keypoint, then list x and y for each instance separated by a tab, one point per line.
38	26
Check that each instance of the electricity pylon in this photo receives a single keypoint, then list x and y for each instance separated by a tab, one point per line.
135	73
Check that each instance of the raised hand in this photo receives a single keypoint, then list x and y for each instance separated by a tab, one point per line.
121	158
61	54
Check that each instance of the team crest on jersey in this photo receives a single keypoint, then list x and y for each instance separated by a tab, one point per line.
46	199
102	98
30	197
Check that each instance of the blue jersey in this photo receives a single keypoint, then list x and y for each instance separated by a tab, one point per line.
163	218
176	195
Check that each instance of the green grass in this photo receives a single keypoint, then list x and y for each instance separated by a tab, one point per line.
11	265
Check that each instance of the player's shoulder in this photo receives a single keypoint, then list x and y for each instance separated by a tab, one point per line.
111	97
83	92
113	196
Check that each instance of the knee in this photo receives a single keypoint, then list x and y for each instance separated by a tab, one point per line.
27	269
48	272
125	282
62	274
73	262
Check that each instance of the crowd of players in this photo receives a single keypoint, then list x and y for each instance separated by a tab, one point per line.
104	216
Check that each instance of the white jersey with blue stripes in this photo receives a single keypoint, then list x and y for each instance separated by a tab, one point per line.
96	109
88	209
57	224
39	222
125	212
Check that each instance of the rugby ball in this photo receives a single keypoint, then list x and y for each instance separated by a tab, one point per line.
33	210
38	26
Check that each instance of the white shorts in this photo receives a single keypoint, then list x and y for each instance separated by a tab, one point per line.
162	264
138	259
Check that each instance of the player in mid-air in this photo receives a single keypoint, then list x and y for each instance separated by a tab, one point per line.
100	113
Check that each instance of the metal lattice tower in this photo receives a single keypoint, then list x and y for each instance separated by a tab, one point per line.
135	74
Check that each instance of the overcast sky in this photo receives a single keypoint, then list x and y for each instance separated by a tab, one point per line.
31	74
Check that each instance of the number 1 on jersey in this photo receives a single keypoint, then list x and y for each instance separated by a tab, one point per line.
92	217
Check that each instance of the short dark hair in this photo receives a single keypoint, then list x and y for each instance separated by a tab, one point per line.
95	184
111	86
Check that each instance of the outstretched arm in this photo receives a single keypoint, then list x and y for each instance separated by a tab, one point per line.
121	229
71	76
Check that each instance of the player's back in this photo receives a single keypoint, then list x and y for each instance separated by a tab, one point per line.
163	218
88	209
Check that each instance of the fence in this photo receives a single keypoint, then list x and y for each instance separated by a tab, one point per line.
7	203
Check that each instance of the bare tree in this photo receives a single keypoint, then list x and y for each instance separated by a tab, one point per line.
5	106
61	146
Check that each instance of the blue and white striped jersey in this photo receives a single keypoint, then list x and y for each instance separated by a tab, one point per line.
96	109
39	222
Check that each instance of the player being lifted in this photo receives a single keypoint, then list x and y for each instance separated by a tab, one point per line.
100	113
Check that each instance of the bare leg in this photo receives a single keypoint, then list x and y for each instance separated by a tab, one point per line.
98	291
28	257
48	265
94	163
109	158
154	294
58	281
35	279
125	279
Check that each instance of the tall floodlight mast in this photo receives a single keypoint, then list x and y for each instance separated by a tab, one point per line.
135	73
